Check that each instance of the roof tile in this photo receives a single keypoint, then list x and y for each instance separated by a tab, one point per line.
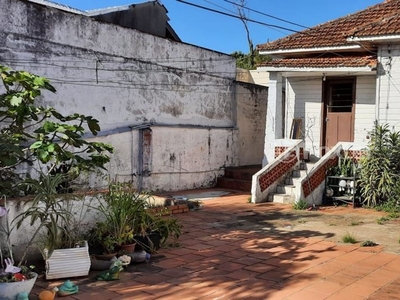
327	61
380	19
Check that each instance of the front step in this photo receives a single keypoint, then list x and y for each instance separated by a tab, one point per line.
238	178
285	192
234	184
281	198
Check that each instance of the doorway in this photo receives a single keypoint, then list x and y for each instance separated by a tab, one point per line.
339	111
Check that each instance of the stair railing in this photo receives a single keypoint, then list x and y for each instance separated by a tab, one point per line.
268	178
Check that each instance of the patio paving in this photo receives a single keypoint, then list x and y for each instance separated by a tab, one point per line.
224	256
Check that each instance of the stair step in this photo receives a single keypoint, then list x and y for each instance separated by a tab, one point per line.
281	198
242	173
234	184
285	189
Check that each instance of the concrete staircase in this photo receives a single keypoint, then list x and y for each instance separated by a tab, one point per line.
285	191
238	178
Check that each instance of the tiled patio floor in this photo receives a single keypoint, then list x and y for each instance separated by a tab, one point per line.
225	257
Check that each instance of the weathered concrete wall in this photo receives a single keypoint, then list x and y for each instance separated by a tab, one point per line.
126	78
252	103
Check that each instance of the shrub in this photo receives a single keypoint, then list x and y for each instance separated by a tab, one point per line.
300	205
380	168
349	238
368	243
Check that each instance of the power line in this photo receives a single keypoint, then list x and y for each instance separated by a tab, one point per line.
237	17
267	15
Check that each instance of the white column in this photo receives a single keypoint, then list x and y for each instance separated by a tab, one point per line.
273	128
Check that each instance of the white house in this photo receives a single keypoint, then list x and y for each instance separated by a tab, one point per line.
328	84
173	111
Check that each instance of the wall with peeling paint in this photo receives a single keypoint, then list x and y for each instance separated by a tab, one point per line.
130	79
252	103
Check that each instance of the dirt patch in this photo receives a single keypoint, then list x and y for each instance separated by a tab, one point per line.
329	224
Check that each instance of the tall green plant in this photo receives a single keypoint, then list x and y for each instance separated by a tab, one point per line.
32	133
380	167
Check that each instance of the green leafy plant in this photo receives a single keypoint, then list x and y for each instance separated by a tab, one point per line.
33	133
380	167
382	220
368	243
300	205
349	238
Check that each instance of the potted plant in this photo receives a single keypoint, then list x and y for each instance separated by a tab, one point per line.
58	234
154	229
13	279
120	208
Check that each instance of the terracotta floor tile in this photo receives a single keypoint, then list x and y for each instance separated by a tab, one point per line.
229	266
209	252
341	295
325	287
341	278
307	295
169	263
100	294
247	260
152	278
360	289
190	257
260	268
274	275
237	253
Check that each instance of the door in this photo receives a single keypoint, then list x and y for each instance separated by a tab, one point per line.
339	110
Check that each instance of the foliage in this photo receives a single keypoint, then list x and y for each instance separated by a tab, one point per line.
380	167
349	238
46	210
300	205
249	61
368	243
346	167
33	133
122	210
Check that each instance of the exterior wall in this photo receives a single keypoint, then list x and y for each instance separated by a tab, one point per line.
130	80
303	100
252	103
365	108
388	93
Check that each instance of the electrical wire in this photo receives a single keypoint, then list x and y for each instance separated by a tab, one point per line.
238	17
267	15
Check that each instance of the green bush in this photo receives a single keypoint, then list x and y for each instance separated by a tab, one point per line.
380	167
300	205
349	238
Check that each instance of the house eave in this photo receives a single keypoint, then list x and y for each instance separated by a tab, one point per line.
368	70
375	39
309	50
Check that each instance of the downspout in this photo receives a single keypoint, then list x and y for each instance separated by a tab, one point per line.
379	74
140	162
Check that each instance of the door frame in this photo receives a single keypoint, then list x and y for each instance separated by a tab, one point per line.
324	109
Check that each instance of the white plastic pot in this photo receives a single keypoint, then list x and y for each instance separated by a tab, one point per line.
10	290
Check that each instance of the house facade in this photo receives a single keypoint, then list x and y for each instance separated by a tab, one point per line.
173	111
328	84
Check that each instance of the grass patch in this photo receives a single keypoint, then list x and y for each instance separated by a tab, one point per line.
249	199
301	221
382	220
349	238
393	215
355	223
368	244
300	205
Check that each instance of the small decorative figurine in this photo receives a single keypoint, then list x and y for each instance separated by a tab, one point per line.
48	295
67	288
112	273
22	296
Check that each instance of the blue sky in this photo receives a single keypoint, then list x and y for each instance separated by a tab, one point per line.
225	34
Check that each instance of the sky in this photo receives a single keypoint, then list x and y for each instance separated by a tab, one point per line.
226	34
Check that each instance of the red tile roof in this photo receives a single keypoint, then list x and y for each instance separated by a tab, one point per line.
326	61
380	19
